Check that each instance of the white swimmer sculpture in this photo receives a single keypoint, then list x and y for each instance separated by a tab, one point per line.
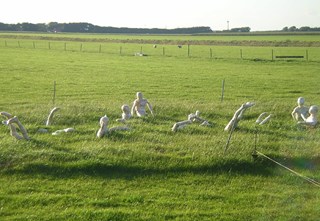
311	120
126	114
104	130
67	130
50	117
139	106
300	110
262	121
238	116
11	121
191	118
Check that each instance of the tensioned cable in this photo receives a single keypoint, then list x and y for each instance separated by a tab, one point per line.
316	183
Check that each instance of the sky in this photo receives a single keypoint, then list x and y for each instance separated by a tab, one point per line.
217	14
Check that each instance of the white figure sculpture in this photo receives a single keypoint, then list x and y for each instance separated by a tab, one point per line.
139	106
50	117
311	120
238	116
300	110
67	130
13	130
262	121
126	115
104	130
191	118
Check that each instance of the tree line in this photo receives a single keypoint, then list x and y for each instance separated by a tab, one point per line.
90	28
302	29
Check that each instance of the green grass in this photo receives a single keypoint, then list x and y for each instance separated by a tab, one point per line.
150	173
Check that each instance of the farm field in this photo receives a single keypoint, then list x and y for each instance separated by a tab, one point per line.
149	172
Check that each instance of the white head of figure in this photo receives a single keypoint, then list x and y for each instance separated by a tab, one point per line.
139	96
125	108
104	121
300	101
313	110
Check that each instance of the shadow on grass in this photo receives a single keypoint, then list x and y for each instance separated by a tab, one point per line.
259	167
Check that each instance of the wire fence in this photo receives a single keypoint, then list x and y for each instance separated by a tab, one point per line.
194	51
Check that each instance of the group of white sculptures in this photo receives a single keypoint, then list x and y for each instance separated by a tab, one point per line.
301	114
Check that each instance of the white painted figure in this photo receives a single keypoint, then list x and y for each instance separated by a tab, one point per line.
67	130
262	121
193	117
104	130
139	106
300	110
311	120
11	122
126	114
50	117
238	116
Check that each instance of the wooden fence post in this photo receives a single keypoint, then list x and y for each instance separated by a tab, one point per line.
222	91
163	51
81	47
210	52
241	53
307	55
272	54
100	48
49	46
19	44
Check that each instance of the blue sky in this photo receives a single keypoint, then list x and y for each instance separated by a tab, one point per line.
258	15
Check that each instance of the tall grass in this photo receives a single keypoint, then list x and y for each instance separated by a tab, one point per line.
149	172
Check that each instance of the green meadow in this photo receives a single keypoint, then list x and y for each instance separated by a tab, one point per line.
149	172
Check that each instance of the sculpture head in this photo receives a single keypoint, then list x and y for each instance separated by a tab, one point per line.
139	95
313	109
104	121
125	108
300	101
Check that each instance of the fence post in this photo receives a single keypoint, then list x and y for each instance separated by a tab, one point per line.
19	44
141	50
81	47
100	48
120	51
163	51
272	54
188	50
210	53
241	53
307	55
54	92
222	90
49	46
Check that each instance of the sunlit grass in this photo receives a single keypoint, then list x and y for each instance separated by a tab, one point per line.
149	172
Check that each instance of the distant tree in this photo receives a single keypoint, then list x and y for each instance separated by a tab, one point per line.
305	28
286	29
292	28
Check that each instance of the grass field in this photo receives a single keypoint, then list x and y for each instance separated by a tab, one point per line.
149	172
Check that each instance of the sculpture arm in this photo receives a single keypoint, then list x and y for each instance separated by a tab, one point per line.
133	107
150	108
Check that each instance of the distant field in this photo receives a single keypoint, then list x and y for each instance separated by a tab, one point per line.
149	172
291	39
